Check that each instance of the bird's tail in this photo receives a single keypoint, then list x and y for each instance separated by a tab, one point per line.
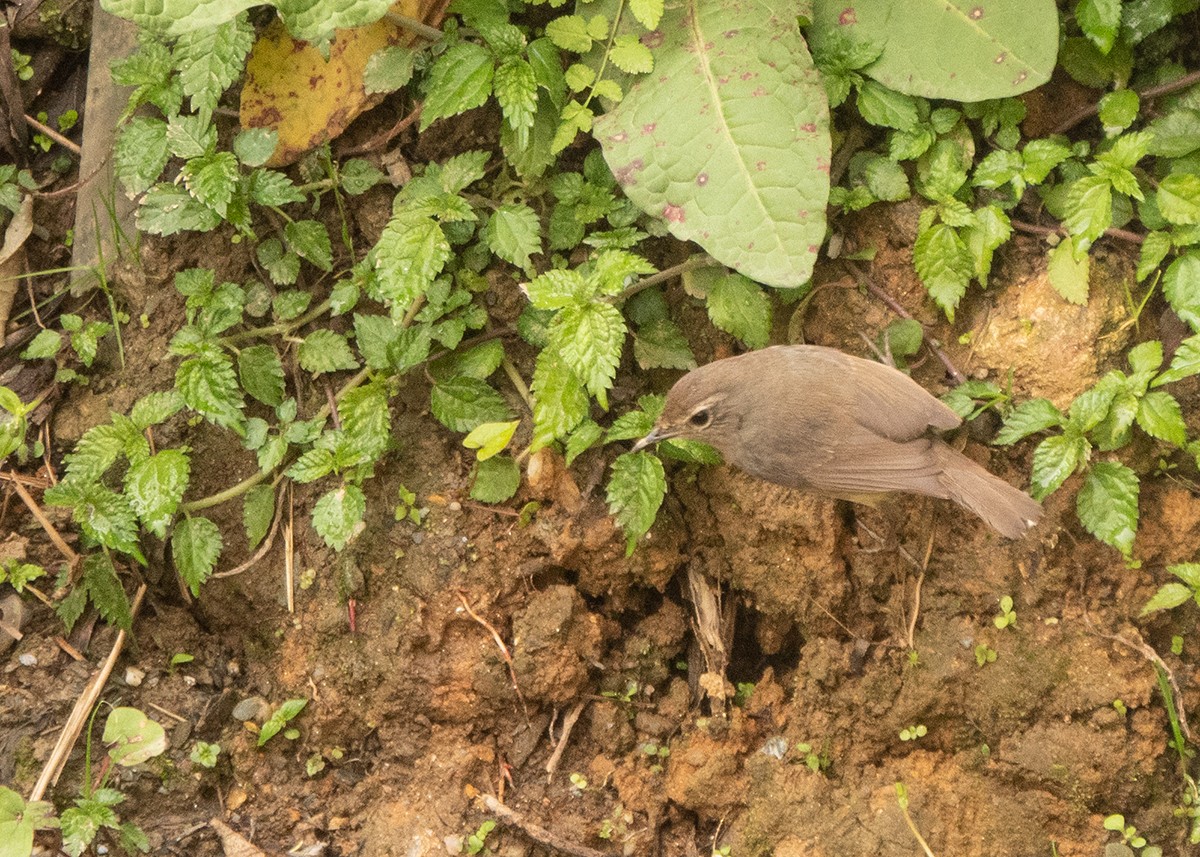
1007	510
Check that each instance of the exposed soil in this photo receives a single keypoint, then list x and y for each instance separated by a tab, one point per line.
851	623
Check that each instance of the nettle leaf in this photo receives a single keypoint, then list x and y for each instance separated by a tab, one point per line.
389	69
739	307
462	403
570	33
1107	505
212	179
195	546
728	144
1181	288
886	108
261	373
1184	364
635	493
513	233
365	417
95	452
325	350
515	86
558	288
560	401
307	21
338	515
211	59
647	12
1169	595
945	265
1160	416
99	579
410	253
254	147
1054	460
155	486
1155	248
1088	210
660	344
168	209
582	439
496	479
1068	272
964	52
459	81
1100	21
310	240
140	153
104	515
589	338
258	510
1179	198
154	408
209	387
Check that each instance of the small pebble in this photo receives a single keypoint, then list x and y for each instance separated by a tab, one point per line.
418	538
134	676
455	506
776	747
27	659
255	708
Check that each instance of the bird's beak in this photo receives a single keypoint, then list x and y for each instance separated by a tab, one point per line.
654	437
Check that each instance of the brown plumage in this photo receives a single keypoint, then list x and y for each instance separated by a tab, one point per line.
822	421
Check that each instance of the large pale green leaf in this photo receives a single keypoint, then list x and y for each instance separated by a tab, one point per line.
309	20
966	50
728	140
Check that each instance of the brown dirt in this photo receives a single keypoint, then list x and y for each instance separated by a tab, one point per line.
416	712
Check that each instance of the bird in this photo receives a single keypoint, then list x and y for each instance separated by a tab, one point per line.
832	424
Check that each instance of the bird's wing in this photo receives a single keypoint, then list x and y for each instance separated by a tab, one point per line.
879	465
885	400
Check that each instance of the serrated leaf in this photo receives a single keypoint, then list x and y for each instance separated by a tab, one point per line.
310	240
1155	248
258	510
1160	416
1068	274
209	387
1169	595
944	264
95	452
1088	210
211	59
1100	21
1179	198
155	486
558	288
660	344
99	579
635	492
647	12
325	350
410	253
513	233
308	21
338	515
582	439
739	307
886	108
589	338
140	153
261	373
560	401
496	479
630	55
1054	460
211	179
195	546
1184	363
168	209
728	144
1107	505
462	403
43	346
569	32
459	81
516	92
1181	288
366	420
961	51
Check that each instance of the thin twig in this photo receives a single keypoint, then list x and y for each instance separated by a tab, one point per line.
51	531
67	144
912	621
567	725
83	707
504	653
263	548
538	834
1143	95
1111	232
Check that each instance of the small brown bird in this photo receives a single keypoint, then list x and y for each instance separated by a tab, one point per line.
816	419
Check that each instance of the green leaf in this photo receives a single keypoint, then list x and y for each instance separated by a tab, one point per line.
1181	288
389	69
1184	363
1146	356
991	229
258	510
1100	21
140	153
569	32
1179	198
254	146
1160	416
1088	210
366	419
558	288
635	493
630	55
490	438
1175	134
99	579
310	241
944	264
727	143
1155	248
886	108
1107	505
462	403
324	350
1068	273
211	179
1029	418
280	718
104	515
155	486
660	344
209	387
738	306
513	233
132	737
496	479
338	515
647	12
582	439
211	59
1119	109
195	546
589	338
1054	460
43	346
560	402
962	52
410	253
516	92
459	81
1169	595
154	408
1188	572
95	452
261	373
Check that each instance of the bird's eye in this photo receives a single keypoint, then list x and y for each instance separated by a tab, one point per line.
700	418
